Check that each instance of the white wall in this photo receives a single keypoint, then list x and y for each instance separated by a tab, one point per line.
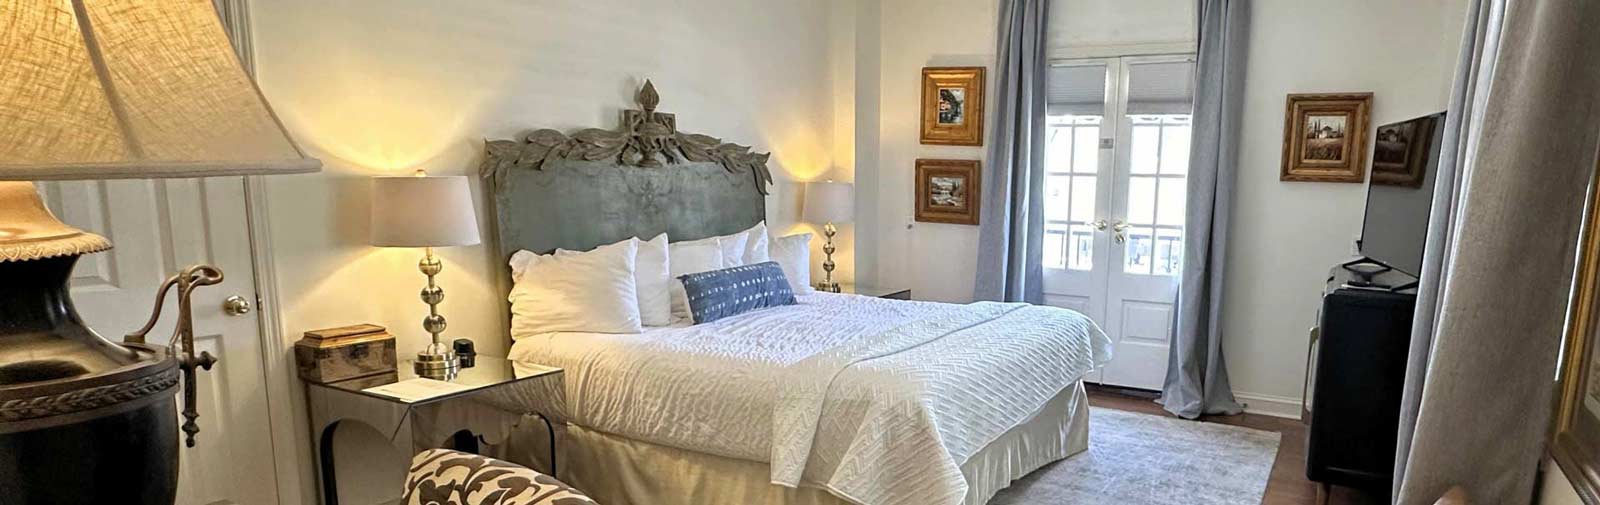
934	260
382	87
1554	488
1285	235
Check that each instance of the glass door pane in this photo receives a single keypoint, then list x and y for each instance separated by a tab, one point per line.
1160	98
1075	115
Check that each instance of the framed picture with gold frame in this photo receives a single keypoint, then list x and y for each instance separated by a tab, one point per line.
1575	431
952	106
948	191
1325	137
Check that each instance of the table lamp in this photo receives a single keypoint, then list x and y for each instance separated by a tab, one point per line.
427	212
829	202
108	90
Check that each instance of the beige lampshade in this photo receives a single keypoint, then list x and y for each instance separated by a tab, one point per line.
102	89
829	202
423	212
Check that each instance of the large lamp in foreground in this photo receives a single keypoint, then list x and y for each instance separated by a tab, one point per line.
101	89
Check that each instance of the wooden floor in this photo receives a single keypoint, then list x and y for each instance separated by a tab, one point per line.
1287	485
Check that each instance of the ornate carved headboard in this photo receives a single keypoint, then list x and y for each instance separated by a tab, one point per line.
595	187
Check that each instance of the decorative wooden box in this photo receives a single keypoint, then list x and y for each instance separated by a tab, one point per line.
346	352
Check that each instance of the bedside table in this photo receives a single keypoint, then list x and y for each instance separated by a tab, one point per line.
877	292
417	414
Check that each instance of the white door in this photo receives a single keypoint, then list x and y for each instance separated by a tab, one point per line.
1115	188
156	229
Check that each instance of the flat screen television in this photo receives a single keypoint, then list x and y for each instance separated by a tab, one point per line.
1405	158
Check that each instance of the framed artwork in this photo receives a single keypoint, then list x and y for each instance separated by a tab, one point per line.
952	106
1324	137
948	191
1575	437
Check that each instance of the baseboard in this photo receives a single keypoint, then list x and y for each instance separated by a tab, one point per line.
1269	405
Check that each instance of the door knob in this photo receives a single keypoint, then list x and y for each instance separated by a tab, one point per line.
1099	225
236	305
1118	230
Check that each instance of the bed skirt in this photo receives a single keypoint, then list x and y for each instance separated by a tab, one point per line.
616	470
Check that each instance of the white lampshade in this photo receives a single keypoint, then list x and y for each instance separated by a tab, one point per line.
423	212
829	202
102	89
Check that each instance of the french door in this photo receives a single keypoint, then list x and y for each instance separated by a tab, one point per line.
1115	185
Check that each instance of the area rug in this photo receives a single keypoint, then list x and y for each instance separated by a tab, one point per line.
1141	459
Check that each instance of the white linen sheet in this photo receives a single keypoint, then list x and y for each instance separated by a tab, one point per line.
896	394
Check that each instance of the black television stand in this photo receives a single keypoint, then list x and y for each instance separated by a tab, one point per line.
1356	369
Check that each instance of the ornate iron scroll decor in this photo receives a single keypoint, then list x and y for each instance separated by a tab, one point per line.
645	139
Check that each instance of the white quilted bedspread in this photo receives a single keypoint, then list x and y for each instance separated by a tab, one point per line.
878	401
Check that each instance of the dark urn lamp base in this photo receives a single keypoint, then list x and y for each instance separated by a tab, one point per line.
82	420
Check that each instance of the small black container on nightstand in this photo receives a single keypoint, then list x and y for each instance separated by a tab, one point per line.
466	353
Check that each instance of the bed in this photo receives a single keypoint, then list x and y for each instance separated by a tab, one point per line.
835	399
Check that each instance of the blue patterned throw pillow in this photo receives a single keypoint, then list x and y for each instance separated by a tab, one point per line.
732	291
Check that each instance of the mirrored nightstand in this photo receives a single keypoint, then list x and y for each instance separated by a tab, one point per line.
874	291
484	402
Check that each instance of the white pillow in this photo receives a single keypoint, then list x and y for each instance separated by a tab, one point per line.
650	280
755	247
732	246
793	253
590	292
690	258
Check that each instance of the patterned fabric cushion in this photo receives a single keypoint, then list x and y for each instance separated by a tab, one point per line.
444	477
731	291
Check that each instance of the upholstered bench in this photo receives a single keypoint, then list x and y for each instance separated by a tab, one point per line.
444	477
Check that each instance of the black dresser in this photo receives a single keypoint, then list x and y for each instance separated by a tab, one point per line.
1355	375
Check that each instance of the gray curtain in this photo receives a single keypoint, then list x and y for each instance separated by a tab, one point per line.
1501	255
1480	35
1197	378
1011	236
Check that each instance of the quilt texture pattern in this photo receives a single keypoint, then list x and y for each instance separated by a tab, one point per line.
877	401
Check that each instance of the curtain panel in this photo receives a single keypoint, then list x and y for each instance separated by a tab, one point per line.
1197	377
1011	235
1503	261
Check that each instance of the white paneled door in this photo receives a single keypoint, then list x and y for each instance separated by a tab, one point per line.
1116	163
158	228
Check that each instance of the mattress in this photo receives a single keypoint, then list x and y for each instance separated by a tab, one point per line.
878	401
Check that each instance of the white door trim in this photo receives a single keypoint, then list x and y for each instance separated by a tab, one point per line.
291	449
290	444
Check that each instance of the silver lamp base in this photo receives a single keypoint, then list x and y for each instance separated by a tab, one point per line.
438	362
827	283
